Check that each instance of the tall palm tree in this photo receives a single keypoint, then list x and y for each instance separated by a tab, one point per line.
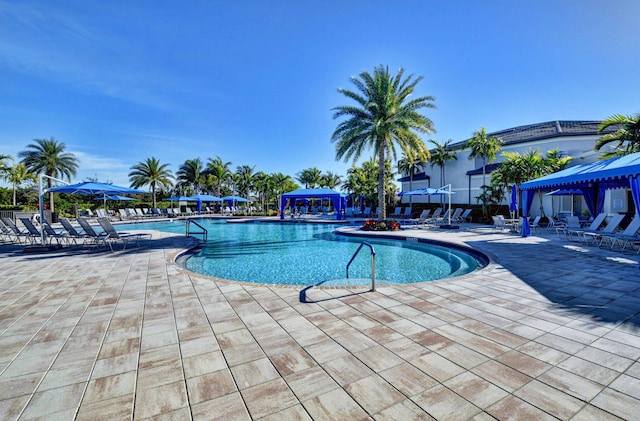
263	184
310	177
412	162
440	155
150	172
220	170
191	174
487	148
627	136
244	180
47	156
17	175
385	117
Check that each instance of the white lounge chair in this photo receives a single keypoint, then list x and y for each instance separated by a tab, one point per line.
422	219
626	238
499	223
564	229
593	227
596	237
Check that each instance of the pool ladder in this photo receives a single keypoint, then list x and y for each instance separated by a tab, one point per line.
203	231
373	263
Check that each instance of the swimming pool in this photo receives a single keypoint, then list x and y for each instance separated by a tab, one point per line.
312	254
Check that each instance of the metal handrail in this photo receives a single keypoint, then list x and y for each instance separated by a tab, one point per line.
204	231
373	263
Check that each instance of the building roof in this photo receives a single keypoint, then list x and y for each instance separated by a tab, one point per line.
549	129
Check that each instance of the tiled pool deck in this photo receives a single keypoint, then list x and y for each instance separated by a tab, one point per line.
549	330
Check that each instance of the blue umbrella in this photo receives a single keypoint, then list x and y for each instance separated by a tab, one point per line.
204	198
235	198
115	197
178	199
90	187
513	206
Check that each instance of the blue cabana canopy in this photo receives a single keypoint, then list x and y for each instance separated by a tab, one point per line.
591	180
336	198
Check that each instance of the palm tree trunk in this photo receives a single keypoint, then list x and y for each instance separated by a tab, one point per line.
153	193
382	206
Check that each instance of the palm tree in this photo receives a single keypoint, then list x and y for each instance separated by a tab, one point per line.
486	148
4	166
152	173
191	174
330	180
627	136
17	175
244	180
385	117
440	155
412	162
220	170
310	177
47	156
263	184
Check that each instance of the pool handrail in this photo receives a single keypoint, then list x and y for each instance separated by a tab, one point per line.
373	263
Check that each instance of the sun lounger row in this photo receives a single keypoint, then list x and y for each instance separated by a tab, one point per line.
603	233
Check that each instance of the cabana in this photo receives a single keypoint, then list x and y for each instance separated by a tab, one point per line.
338	199
591	180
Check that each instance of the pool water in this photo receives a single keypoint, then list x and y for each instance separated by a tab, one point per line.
311	254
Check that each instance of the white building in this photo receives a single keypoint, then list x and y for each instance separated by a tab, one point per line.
571	138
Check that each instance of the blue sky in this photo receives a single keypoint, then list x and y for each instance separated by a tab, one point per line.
254	82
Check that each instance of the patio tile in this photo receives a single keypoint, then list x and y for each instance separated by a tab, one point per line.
475	389
405	410
292	362
54	400
109	387
120	407
501	375
590	412
347	369
437	367
310	383
12	387
294	413
408	379
227	407
442	403
627	384
160	400
373	393
523	363
605	358
268	398
550	400
11	408
210	386
617	403
203	363
513	408
334	405
570	383
115	365
254	372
